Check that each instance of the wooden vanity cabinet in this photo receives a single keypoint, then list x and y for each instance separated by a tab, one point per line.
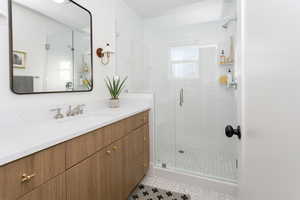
134	162
24	175
55	189
105	164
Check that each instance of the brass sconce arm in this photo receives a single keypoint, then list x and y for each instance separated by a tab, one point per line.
105	54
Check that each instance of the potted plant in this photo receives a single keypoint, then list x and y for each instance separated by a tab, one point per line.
115	87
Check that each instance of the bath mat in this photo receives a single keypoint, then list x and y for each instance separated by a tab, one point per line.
144	192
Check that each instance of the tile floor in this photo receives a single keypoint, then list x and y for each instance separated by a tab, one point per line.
199	161
216	164
196	192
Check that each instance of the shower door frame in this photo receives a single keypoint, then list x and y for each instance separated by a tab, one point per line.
184	171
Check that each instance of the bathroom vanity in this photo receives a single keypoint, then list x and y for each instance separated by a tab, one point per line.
106	163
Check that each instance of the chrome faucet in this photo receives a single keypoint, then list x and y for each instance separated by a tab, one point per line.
78	110
58	115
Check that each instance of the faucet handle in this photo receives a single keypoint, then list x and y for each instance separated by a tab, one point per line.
81	110
58	115
56	110
69	112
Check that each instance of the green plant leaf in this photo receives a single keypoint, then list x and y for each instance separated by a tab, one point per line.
121	86
109	88
114	86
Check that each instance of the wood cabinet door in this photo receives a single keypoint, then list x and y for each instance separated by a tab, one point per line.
40	167
116	172
79	149
81	180
134	159
103	177
55	189
111	172
146	149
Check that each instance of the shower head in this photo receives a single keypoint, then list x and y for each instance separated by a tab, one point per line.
227	22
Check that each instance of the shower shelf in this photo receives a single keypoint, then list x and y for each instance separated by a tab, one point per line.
225	64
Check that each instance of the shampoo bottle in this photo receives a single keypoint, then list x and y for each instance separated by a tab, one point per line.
222	57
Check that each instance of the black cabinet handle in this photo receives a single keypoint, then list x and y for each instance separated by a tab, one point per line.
229	131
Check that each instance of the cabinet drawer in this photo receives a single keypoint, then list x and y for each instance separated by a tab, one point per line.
137	121
37	169
55	189
111	133
102	137
118	130
79	149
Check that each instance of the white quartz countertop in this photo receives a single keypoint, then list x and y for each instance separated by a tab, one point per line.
30	137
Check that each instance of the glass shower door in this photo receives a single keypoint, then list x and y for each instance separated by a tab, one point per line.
202	111
59	66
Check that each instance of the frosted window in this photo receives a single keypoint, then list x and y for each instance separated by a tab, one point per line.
184	53
184	62
185	70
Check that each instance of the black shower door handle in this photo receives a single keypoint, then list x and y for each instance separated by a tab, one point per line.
230	131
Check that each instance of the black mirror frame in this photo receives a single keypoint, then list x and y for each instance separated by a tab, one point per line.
11	53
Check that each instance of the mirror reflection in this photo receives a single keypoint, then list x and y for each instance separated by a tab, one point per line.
51	47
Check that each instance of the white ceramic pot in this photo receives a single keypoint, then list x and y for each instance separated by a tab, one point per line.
114	103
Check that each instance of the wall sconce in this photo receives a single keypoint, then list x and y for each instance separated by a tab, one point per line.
105	54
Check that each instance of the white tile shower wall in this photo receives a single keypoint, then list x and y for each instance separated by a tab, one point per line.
157	42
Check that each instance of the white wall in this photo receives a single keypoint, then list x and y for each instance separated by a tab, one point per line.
271	100
200	12
129	45
104	27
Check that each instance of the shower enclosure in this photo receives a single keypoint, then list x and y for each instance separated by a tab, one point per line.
192	110
67	63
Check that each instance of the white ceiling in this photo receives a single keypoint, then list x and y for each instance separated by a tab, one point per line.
66	13
155	8
196	13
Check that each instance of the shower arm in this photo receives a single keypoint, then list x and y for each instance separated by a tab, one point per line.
227	22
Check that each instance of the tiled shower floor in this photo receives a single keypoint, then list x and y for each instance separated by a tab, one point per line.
196	192
215	164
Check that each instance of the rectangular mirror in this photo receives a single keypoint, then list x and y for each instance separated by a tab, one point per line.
50	47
